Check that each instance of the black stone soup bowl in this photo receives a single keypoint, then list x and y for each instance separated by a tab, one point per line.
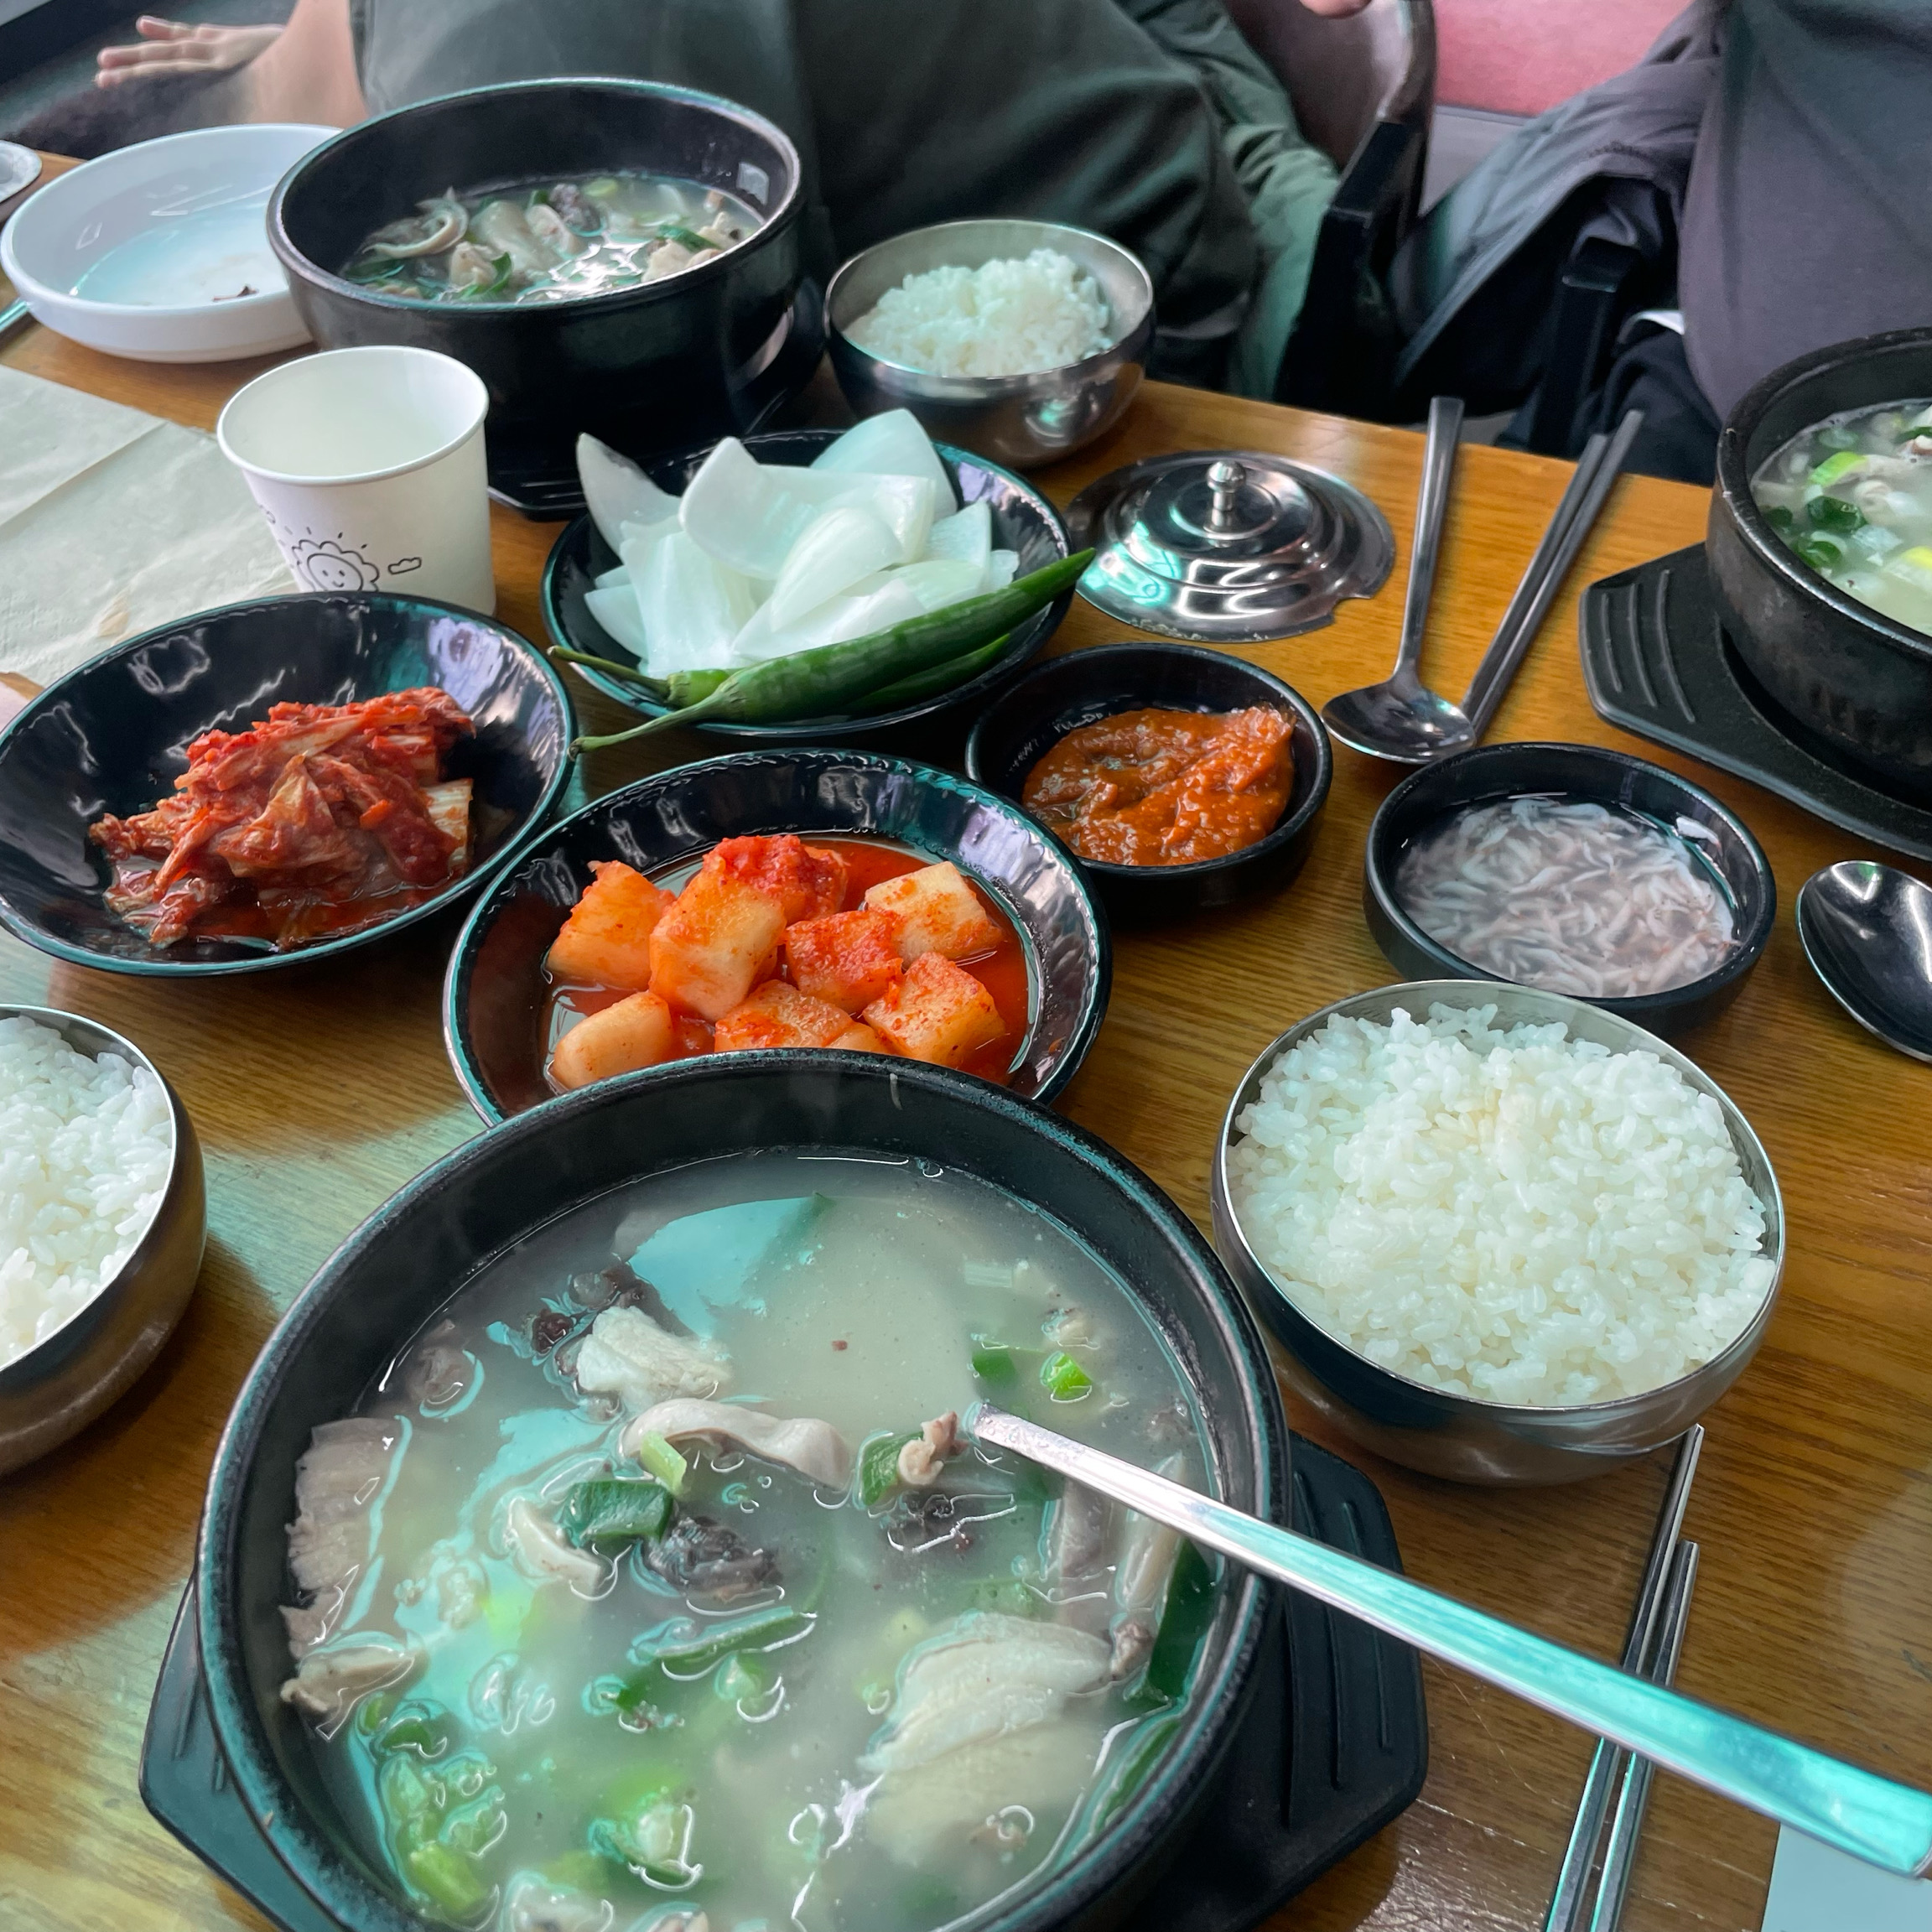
1859	681
661	366
407	1259
1586	774
1020	726
113	736
1024	521
494	995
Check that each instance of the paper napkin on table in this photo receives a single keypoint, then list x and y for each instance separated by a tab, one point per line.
112	521
1817	1889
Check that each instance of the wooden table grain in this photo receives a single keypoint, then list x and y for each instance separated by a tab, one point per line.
318	1092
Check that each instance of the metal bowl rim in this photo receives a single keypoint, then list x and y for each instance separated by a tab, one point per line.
1426	993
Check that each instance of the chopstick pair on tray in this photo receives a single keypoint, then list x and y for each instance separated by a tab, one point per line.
1652	1648
1401	720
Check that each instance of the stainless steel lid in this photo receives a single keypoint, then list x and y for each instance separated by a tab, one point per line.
1228	546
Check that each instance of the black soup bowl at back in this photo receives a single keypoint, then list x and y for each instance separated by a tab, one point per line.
662	365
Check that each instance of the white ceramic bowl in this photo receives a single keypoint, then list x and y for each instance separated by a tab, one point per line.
182	204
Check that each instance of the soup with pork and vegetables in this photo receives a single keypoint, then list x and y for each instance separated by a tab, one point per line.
653	1586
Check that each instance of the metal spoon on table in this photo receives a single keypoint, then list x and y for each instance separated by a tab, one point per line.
1869	1817
1402	717
1867	930
1379	728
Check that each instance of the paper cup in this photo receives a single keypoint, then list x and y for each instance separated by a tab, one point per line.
369	465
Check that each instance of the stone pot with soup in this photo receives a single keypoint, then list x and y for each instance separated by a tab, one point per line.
613	256
595	1542
1820	544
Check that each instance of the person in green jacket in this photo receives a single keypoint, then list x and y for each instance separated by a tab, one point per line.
1152	121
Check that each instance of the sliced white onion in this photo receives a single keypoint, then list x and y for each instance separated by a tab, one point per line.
692	607
617	610
1002	567
966	534
893	444
873	605
617	492
844	546
938	581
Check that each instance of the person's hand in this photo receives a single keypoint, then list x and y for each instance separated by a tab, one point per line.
174	48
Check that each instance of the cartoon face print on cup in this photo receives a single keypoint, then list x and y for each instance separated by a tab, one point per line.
331	564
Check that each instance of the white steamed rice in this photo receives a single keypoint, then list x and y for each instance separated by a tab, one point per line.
1006	318
85	1146
1515	1216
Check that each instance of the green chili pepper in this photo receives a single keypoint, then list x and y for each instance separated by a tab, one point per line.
690	688
1821	553
611	667
1780	519
1835	514
879	1466
945	677
614	1509
819	683
1063	1378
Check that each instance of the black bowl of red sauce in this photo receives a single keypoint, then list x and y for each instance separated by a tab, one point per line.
1084	689
503	1010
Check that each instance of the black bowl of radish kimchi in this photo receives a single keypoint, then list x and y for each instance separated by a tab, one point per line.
806	900
274	782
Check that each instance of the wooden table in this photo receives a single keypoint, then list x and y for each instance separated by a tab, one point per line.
317	1094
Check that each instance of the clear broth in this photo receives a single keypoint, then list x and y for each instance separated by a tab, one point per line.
844	1287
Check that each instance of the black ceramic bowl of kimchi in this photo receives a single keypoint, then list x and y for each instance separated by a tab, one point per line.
422	743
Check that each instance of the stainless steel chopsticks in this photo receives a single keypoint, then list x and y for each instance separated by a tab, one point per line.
1854	1810
1625	1828
1590	483
1566	1902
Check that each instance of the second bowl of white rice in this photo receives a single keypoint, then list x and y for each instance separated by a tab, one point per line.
1504	1236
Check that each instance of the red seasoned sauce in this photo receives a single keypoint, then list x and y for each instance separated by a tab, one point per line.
1165	787
1002	971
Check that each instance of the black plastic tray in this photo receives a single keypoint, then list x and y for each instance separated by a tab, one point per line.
1335	1745
1656	660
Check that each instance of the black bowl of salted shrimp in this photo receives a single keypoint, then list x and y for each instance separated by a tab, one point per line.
1716	844
390	1279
